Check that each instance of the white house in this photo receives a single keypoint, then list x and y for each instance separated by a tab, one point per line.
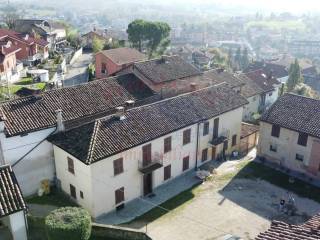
12	207
110	161
27	122
290	135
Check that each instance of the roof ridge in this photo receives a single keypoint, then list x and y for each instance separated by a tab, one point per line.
92	144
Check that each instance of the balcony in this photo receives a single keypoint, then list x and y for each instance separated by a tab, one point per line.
150	167
218	140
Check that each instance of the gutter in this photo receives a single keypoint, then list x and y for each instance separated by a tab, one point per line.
197	146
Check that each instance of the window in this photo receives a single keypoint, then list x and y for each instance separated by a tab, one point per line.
103	68
119	195
118	166
204	156
146	155
185	163
299	157
216	128
303	139
70	165
73	192
167	144
81	194
205	128
273	148
275	132
167	172
270	94
234	140
186	136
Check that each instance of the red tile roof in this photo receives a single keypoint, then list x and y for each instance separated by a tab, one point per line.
283	231
123	55
4	33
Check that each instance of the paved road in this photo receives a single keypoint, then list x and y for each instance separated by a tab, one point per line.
77	73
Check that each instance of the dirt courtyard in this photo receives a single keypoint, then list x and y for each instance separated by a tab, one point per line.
226	205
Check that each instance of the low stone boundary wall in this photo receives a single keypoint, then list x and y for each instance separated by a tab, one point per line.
115	232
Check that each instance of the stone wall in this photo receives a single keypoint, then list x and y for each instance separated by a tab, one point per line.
115	232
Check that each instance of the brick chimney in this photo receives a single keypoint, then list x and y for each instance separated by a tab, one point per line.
193	87
120	113
60	124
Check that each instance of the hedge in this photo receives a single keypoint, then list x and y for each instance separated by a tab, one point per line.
69	223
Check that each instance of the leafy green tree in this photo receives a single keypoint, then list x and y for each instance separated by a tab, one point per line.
295	76
154	36
97	45
230	59
238	59
305	90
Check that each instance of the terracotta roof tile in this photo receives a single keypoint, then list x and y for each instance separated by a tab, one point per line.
124	55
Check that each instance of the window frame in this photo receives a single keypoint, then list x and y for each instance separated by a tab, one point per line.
234	140
275	131
70	165
185	163
73	191
118	168
299	157
167	144
273	148
81	195
204	155
302	139
186	136
206	127
146	154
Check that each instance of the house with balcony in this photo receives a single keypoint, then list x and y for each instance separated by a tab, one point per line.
108	62
33	50
112	160
290	135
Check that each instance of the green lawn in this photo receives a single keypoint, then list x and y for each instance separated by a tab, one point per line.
55	198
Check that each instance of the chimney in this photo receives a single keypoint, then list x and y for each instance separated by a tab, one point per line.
130	103
120	113
60	124
193	87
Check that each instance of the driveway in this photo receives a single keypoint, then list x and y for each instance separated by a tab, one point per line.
77	73
226	205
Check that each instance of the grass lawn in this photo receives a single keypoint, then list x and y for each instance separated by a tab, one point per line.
55	198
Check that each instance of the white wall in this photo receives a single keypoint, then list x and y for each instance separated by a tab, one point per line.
18	226
36	166
251	108
98	182
271	97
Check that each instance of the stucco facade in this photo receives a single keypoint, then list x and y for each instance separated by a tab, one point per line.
251	108
16	223
37	163
285	148
98	183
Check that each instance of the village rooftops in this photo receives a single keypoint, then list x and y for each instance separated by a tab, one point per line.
297	113
25	38
283	231
33	113
124	55
250	88
105	137
11	199
263	80
276	70
166	68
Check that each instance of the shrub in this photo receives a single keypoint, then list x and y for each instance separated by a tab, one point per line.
69	223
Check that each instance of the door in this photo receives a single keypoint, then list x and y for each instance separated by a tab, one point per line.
147	184
213	153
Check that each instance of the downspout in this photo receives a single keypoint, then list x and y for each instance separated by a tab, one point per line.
197	146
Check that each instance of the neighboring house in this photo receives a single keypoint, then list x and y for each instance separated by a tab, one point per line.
201	60
290	136
9	67
309	230
106	163
33	50
27	122
249	137
270	86
52	32
102	35
111	61
305	48
12	206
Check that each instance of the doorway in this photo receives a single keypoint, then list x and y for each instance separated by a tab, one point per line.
147	184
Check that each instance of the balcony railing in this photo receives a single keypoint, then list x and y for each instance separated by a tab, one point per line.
151	166
218	140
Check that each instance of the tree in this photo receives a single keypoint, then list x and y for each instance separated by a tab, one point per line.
238	58
153	36
70	223
230	59
97	44
305	90
295	76
10	19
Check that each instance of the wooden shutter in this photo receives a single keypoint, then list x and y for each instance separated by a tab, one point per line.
119	195
70	165
234	140
167	144
73	191
186	136
216	128
146	155
303	139
185	164
205	128
204	155
167	172
275	132
118	166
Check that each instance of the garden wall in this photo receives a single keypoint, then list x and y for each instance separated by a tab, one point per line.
115	232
